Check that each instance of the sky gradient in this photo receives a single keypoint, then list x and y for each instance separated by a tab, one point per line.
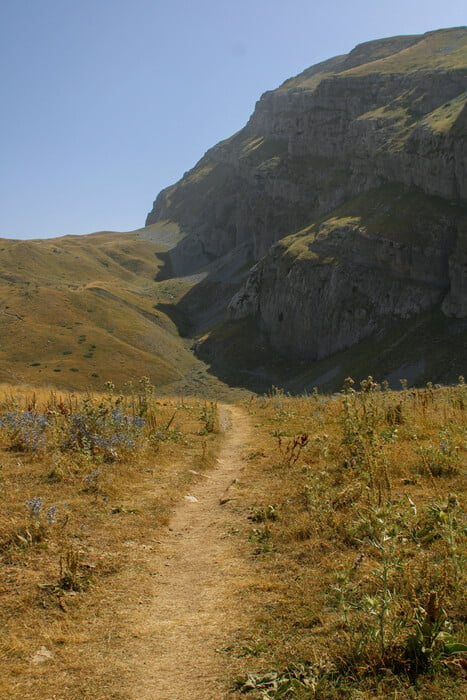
106	102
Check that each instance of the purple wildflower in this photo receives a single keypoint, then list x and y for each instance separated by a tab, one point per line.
358	561
26	428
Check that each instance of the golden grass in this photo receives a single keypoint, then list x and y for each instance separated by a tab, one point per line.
351	506
72	306
443	49
66	585
377	490
446	49
444	117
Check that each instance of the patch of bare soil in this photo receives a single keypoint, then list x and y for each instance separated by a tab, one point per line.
180	640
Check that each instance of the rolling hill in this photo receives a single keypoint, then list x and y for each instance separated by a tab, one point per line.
76	312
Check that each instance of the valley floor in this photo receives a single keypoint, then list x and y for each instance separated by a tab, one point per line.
308	547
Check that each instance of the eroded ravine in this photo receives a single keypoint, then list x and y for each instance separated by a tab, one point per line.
195	609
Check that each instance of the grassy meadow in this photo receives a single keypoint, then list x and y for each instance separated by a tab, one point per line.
87	483
349	510
355	508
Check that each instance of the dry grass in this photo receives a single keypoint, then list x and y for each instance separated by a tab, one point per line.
356	523
75	305
351	506
445	49
69	578
77	311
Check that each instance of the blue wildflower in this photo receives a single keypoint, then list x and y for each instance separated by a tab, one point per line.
26	428
51	514
35	505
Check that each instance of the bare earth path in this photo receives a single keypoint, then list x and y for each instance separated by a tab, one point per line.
194	612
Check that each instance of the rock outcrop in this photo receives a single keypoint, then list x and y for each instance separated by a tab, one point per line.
336	282
381	132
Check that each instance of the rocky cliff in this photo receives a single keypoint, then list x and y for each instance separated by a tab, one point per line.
363	159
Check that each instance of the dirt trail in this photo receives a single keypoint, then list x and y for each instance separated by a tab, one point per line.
194	611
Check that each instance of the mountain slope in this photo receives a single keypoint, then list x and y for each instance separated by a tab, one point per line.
358	166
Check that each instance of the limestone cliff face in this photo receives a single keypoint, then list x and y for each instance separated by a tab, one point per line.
337	282
455	303
391	111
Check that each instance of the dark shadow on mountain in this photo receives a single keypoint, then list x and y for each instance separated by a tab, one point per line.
428	347
239	354
185	258
179	317
165	271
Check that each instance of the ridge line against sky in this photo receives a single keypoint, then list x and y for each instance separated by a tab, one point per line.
106	102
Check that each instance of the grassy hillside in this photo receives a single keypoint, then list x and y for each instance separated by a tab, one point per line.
78	311
442	49
445	49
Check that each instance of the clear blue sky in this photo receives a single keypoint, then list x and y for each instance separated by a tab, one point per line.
105	102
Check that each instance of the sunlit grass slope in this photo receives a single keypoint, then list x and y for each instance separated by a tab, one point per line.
442	49
77	311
